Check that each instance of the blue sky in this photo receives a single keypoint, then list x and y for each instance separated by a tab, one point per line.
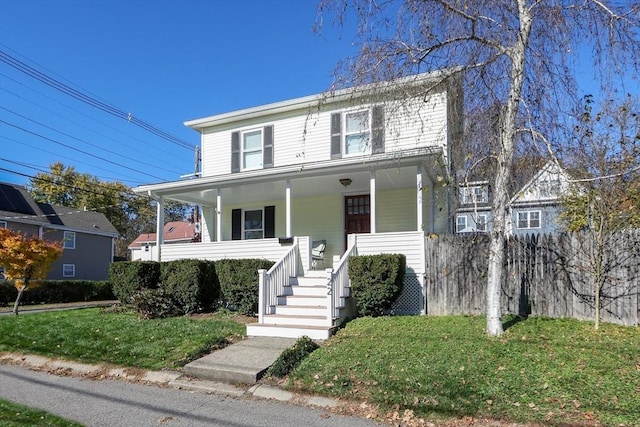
163	61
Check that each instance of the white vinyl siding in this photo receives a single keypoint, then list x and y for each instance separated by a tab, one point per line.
407	126
396	210
321	218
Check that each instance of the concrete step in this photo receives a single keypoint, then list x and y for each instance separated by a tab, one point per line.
243	362
305	290
289	331
302	300
284	319
309	310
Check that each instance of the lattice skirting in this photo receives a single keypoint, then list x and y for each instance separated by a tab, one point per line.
411	300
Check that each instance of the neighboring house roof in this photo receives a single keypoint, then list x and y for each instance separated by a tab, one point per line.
174	232
546	187
17	205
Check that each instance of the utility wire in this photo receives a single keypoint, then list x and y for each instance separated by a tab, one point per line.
82	140
39	105
89	100
78	150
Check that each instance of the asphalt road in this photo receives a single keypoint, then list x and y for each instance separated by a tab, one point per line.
117	403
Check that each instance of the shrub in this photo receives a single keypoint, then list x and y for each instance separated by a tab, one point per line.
291	357
192	284
127	277
61	291
8	292
376	282
154	304
239	282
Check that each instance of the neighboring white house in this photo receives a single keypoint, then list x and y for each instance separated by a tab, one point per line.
534	208
144	248
361	170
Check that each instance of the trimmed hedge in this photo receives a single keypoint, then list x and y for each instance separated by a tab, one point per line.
192	284
376	282
58	291
291	357
154	304
128	277
239	282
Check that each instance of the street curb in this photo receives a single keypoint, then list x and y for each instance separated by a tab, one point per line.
161	378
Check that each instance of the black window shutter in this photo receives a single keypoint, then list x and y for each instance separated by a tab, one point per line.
236	224
336	136
267	153
235	152
377	129
269	222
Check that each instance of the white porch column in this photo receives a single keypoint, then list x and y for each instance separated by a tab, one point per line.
432	207
419	213
218	215
159	226
287	200
372	200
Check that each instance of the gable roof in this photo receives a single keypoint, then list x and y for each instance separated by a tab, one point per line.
531	191
174	232
17	205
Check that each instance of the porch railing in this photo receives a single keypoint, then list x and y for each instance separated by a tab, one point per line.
338	284
271	283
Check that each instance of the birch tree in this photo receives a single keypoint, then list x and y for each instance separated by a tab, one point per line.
518	56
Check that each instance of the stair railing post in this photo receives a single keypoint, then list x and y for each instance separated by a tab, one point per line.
262	294
330	291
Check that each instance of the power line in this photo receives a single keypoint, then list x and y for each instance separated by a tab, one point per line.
76	149
89	100
39	105
83	141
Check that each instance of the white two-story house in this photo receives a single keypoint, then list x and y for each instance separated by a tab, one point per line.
361	171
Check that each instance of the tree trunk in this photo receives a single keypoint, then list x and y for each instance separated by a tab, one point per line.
18	298
500	206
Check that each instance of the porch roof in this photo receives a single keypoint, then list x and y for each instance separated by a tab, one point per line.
307	179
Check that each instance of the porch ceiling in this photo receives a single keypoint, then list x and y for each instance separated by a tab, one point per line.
305	182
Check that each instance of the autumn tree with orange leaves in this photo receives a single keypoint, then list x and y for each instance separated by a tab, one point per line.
26	259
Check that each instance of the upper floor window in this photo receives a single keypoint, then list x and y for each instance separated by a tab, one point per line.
357	132
481	223
69	240
473	194
252	149
529	219
3	224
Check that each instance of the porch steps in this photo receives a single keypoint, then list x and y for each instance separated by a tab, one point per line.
301	311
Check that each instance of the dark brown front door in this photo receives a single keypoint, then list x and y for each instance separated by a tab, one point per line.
357	215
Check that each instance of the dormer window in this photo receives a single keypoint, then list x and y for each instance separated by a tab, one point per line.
473	194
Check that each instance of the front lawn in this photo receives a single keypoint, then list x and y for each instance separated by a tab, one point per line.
13	415
94	336
557	372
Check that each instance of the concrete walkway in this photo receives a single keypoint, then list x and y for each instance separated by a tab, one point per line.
241	363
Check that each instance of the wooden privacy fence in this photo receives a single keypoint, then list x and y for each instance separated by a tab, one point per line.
545	275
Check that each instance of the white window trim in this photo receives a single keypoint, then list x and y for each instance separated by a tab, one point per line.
69	236
64	270
458	230
244	230
528	213
367	149
242	150
482	221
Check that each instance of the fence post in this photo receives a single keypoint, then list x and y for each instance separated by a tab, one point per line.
262	297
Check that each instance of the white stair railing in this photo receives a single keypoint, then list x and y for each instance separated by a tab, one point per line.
271	283
337	284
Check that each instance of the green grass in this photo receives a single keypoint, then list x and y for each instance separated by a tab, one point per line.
557	372
94	336
13	415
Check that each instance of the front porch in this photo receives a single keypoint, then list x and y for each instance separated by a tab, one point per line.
295	299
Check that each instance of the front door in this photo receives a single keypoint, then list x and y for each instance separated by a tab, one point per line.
357	215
